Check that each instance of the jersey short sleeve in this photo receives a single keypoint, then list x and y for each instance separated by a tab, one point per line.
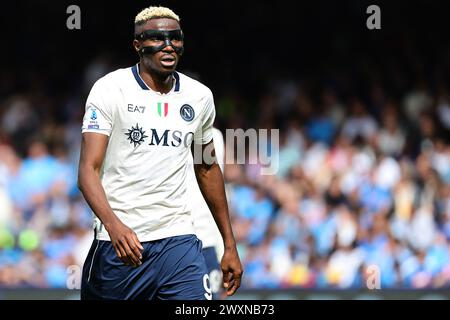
204	133
98	111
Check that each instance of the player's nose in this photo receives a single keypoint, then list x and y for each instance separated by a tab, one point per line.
168	47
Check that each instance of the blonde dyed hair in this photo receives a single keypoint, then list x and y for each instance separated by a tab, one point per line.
155	13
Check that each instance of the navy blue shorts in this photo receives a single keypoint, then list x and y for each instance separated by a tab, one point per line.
172	268
214	271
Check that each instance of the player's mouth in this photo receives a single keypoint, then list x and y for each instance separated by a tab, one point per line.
168	61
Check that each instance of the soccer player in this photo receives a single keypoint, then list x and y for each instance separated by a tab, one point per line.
205	227
139	126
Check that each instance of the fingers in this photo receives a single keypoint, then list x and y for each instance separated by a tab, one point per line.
128	249
232	274
126	244
233	282
138	243
120	251
225	279
138	248
231	289
131	251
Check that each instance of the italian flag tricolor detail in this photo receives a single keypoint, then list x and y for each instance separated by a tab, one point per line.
160	107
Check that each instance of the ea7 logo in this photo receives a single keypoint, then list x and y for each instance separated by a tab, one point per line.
133	108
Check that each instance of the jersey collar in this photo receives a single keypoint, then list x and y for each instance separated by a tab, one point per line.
144	86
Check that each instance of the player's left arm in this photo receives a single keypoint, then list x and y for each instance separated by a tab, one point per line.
211	183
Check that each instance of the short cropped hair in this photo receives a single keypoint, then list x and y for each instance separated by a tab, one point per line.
155	13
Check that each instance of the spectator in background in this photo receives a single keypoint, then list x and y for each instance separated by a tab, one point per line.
391	138
416	102
321	127
359	123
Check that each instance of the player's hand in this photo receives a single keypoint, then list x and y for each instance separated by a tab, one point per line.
232	270
125	242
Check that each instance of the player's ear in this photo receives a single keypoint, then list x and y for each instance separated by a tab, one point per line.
136	45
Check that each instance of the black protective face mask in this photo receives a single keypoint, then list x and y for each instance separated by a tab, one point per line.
173	38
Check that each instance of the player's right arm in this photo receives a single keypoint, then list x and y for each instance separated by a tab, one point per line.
97	125
124	240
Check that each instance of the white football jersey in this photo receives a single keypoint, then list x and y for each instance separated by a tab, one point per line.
147	159
204	223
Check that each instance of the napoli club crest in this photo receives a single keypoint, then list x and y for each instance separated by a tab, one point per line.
187	112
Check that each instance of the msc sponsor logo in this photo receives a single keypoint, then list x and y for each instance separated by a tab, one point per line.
136	135
165	138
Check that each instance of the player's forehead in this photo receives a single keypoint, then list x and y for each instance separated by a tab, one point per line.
160	24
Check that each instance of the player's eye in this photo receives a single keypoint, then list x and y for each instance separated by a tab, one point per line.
176	42
156	39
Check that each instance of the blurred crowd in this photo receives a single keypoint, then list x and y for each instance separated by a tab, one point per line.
362	195
362	192
46	227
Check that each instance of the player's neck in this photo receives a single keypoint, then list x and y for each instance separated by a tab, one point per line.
156	82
